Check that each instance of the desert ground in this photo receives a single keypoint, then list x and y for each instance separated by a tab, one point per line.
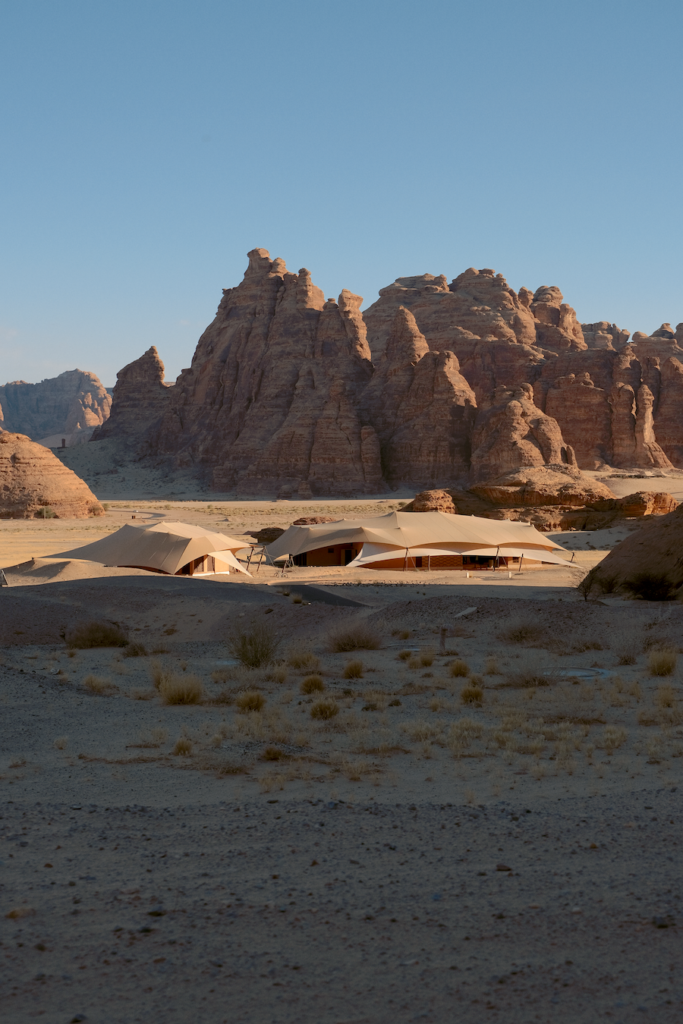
440	799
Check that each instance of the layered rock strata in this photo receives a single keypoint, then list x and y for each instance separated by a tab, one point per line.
33	482
70	405
470	381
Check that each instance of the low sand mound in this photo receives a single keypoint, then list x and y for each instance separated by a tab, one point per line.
48	570
34	483
649	563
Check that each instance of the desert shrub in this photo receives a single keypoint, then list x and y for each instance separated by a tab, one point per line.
472	693
405	655
650	586
312	684
461	734
273	754
159	673
585	587
662	663
414	664
627	658
46	513
607	584
250	700
135	651
491	668
276	675
356	637
96	634
61	742
185	689
98	685
458	668
522	631
666	696
613	737
303	660
427	658
324	709
353	670
525	679
255	645
183	746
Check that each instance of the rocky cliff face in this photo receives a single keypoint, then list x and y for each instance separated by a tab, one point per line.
33	482
70	405
467	381
140	398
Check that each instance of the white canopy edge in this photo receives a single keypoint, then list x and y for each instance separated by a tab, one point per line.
376	553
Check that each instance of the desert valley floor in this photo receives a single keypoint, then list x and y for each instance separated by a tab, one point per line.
472	816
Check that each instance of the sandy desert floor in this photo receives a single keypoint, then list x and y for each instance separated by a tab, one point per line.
486	826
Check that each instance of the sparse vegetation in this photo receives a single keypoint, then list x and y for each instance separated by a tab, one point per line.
426	658
491	667
324	709
312	684
405	655
650	586
522	631
61	742
357	637
135	650
458	668
472	694
303	661
353	670
183	746
250	700
181	689
663	662
96	634
96	684
255	645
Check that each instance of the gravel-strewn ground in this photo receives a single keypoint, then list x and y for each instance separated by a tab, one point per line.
322	911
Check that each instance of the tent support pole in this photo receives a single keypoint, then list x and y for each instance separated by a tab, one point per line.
521	562
405	561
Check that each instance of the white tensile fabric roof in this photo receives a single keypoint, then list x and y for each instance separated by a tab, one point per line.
166	546
422	533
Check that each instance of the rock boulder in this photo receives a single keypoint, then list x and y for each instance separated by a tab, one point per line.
33	483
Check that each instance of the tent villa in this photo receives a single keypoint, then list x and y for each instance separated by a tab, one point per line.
176	549
417	540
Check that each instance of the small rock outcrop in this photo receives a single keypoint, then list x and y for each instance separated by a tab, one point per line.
140	398
545	485
653	552
513	433
69	406
34	483
432	501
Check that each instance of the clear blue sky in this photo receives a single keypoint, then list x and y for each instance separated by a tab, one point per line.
149	144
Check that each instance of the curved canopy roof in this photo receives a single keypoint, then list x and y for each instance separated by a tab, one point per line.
166	546
401	530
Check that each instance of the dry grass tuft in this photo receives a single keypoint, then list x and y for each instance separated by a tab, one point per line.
250	700
183	746
276	675
426	658
96	634
666	696
273	754
627	658
405	655
458	668
254	646
303	661
522	631
462	733
525	679
325	709
61	742
420	729
18	912
135	651
491	666
353	670
312	684
185	689
357	637
662	663
472	694
104	687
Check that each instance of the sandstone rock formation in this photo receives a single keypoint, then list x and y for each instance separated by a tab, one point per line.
70	405
421	408
471	380
545	485
656	550
514	433
313	520
431	501
33	482
140	398
271	399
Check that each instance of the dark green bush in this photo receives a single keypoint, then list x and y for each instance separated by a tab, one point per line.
650	586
